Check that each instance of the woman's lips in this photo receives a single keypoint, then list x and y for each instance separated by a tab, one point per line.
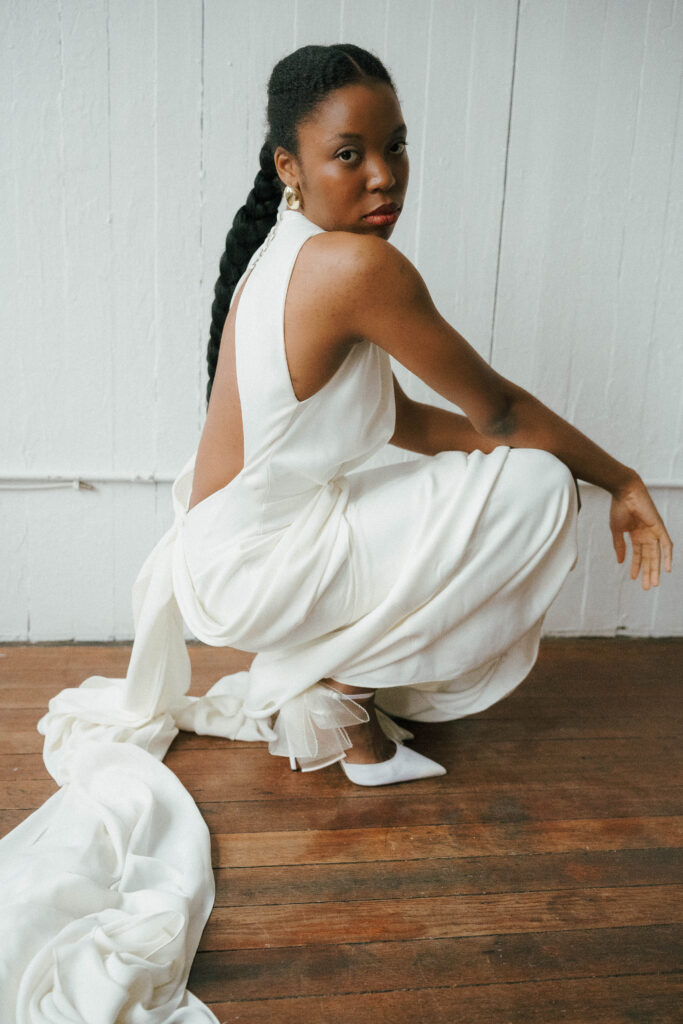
380	219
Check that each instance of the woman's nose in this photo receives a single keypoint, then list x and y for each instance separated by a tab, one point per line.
380	175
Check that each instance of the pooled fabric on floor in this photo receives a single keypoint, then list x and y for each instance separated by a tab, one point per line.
105	891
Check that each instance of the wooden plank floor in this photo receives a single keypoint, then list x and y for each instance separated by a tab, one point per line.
538	881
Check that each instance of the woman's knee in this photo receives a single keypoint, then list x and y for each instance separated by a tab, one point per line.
548	480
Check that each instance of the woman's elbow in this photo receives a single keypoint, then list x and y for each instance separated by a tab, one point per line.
501	419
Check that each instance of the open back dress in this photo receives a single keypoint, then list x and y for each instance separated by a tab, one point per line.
427	579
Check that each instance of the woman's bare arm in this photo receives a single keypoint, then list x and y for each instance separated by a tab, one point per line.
428	429
376	293
386	301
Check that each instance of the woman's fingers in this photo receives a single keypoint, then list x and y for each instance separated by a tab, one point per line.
647	558
619	545
668	549
651	558
636	515
651	555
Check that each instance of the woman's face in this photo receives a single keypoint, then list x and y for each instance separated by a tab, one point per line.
352	160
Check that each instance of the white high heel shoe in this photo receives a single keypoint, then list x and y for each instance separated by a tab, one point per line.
404	766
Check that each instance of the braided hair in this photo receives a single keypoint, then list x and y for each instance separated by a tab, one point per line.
296	86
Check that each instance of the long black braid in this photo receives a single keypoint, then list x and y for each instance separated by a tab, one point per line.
297	84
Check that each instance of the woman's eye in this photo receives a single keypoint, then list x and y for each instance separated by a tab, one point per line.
348	156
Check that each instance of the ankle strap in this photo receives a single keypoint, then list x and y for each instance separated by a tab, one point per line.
354	696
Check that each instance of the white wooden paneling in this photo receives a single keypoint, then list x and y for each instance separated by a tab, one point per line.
132	75
15	595
34	325
453	205
178	333
591	258
545	212
587	241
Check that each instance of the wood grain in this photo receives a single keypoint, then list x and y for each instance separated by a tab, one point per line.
539	880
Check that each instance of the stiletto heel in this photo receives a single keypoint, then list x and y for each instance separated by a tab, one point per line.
405	766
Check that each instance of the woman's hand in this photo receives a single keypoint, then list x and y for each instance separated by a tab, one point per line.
633	511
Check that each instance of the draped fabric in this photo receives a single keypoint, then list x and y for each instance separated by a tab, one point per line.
105	891
427	580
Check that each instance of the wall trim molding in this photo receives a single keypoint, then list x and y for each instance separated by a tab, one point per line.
29	481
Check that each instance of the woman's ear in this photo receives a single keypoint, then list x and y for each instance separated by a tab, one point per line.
286	166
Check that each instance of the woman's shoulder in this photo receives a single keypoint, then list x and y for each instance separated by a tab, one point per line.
342	264
331	271
350	250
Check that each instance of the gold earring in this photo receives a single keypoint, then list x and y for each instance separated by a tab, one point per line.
292	198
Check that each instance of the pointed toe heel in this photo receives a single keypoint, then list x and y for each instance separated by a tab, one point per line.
405	766
292	763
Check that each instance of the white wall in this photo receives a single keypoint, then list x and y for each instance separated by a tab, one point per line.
545	212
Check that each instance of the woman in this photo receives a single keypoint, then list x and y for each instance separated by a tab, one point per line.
427	580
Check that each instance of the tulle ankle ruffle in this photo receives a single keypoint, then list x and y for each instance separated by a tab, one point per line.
310	726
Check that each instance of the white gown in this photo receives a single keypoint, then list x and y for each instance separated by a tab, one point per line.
428	580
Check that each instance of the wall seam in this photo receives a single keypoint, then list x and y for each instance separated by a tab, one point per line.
430	31
504	189
201	407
